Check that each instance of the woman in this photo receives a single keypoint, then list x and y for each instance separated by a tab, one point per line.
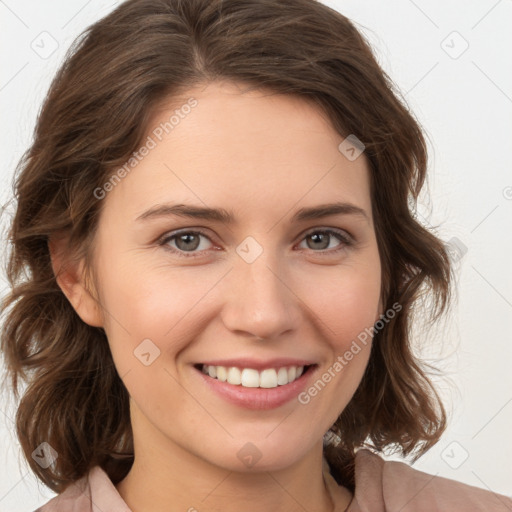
166	377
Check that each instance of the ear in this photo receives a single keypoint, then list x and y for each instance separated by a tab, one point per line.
70	278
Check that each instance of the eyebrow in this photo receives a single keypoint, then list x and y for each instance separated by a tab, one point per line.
222	215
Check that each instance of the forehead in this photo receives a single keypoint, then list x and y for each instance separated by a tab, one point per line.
258	150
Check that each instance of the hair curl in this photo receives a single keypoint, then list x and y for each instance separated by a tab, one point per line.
95	115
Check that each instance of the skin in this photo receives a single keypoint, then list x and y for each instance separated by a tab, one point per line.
261	156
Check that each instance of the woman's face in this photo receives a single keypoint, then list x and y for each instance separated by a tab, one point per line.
273	287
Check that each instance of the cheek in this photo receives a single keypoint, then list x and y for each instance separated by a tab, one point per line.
159	304
347	306
344	300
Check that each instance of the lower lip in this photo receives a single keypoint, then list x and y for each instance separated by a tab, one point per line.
257	398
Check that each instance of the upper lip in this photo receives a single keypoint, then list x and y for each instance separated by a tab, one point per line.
258	364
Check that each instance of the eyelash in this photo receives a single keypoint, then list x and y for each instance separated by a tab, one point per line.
347	240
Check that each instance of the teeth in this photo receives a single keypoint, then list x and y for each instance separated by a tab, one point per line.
250	378
222	374
234	376
282	376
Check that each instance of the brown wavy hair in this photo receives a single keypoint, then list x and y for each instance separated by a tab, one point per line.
96	114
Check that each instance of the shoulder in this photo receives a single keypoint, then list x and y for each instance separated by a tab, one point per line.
75	498
398	486
92	492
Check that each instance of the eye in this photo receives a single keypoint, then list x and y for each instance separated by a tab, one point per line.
188	243
320	240
184	242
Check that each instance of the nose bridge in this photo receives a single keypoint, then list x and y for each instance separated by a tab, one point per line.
262	303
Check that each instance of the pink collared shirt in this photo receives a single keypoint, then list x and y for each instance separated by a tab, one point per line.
380	486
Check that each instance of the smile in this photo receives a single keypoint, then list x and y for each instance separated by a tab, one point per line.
251	378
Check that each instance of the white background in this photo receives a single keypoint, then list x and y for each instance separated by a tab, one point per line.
464	103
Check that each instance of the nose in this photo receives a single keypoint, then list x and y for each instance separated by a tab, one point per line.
259	299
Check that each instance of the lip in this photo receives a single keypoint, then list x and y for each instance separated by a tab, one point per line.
258	364
257	398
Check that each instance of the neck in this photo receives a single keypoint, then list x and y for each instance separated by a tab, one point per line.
205	487
175	480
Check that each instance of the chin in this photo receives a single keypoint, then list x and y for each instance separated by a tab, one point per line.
260	454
